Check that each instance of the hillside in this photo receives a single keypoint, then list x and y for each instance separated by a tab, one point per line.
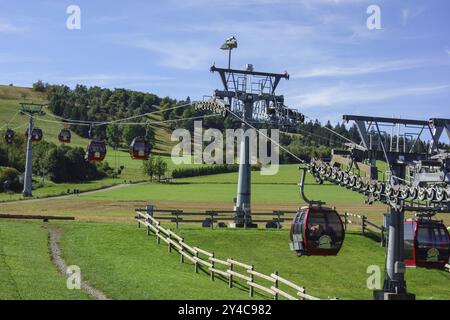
10	97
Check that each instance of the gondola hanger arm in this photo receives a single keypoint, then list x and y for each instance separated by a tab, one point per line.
301	184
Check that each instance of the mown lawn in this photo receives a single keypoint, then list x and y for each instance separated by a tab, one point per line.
223	188
26	271
124	262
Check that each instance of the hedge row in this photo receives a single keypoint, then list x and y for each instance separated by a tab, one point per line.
207	170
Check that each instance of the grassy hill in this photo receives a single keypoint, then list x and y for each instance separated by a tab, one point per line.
11	96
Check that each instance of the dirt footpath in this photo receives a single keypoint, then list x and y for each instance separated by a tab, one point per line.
54	236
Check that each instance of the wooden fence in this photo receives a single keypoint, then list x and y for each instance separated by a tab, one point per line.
367	227
34	217
214	217
229	269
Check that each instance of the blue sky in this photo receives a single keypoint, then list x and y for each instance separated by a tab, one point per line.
337	65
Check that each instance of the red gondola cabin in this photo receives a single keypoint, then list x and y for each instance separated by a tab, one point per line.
317	231
96	151
427	243
140	148
9	136
36	134
64	136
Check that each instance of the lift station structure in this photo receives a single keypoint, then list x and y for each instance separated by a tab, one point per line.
250	96
415	180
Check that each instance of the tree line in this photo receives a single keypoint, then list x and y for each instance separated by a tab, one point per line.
97	104
306	140
58	163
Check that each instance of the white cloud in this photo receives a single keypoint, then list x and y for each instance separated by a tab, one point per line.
362	68
339	95
6	27
409	14
186	55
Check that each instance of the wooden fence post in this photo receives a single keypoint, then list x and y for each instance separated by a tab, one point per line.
252	277
363	224
176	219
304	298
230	278
345	220
181	252
275	297
158	240
196	262
245	219
169	248
212	272
278	213
212	219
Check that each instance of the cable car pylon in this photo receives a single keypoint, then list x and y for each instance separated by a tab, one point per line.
240	98
32	110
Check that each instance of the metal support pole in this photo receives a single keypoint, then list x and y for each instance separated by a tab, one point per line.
28	179
394	282
244	183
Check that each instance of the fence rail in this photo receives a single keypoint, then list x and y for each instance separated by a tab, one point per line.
34	217
233	269
212	217
367	227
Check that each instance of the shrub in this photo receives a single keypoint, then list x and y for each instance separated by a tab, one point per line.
11	177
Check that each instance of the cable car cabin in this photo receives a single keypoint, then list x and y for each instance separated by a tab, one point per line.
9	136
140	148
36	134
427	243
64	136
96	151
317	231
